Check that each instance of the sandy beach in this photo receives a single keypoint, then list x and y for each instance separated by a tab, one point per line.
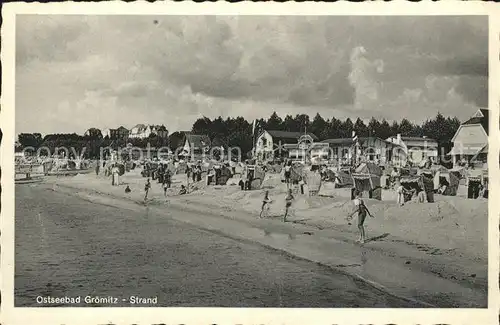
446	239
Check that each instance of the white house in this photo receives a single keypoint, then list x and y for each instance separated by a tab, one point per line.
306	149
471	137
370	149
106	133
271	143
417	149
140	131
195	145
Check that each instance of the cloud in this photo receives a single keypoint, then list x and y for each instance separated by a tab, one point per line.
363	77
129	69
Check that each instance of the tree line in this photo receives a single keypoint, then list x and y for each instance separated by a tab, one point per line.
237	132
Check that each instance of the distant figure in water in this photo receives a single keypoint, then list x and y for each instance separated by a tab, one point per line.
183	190
361	209
265	205
147	187
127	189
288	203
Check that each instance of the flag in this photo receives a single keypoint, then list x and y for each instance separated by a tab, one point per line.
354	137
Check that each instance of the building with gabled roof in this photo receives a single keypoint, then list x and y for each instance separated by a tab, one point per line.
269	144
370	149
470	138
196	145
417	149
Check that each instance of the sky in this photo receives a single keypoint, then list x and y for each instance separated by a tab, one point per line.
76	72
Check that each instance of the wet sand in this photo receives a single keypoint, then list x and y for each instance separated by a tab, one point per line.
66	246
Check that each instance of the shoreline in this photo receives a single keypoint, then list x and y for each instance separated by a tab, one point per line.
454	268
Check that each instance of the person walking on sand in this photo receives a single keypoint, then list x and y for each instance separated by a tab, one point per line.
165	188
288	203
168	178
400	194
147	187
288	173
265	205
361	209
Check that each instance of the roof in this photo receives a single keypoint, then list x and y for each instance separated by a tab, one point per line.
289	135
140	127
483	121
418	139
313	145
455	151
122	128
198	140
348	141
483	151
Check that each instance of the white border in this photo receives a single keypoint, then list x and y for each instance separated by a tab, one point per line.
11	315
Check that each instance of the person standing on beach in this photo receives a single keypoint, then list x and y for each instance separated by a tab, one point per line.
114	173
168	178
97	167
361	209
147	187
400	193
288	203
421	196
165	188
288	173
265	205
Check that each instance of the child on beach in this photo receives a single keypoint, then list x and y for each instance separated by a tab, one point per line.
127	189
265	205
400	194
421	196
165	188
288	173
361	209
147	187
183	190
288	203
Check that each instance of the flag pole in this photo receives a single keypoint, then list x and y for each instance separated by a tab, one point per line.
254	149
